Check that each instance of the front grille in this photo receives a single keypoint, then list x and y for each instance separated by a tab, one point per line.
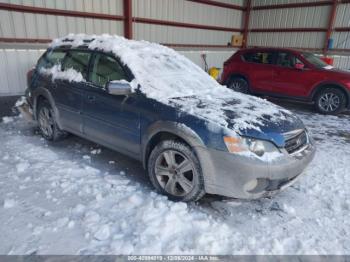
295	141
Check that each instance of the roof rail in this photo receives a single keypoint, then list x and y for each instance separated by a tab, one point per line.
85	40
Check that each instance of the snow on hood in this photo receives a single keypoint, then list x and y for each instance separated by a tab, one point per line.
171	78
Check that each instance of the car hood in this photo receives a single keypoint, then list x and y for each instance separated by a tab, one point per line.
245	115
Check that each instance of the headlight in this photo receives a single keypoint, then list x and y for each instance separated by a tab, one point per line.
244	144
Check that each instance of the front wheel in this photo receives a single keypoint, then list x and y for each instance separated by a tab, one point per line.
238	84
330	101
174	170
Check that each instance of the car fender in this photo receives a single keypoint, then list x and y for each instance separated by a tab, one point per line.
177	129
189	136
323	84
43	92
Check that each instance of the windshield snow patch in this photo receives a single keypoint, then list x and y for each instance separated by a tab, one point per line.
69	74
163	75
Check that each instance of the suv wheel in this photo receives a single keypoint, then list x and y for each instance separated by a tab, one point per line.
330	101
174	170
238	84
47	124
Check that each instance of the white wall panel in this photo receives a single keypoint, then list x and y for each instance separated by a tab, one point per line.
187	12
341	40
178	35
299	39
113	7
342	62
232	2
214	58
25	25
343	16
278	2
14	65
290	17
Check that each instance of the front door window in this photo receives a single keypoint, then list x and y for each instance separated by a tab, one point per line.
105	69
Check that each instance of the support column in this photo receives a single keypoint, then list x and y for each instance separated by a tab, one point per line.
246	23
331	20
127	6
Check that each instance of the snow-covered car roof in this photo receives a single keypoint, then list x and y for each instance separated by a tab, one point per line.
171	78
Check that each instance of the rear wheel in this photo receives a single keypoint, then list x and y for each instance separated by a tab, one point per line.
174	170
47	124
238	84
330	101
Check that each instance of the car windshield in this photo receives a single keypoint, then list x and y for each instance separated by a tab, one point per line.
314	60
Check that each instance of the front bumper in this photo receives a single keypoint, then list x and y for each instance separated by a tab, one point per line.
229	174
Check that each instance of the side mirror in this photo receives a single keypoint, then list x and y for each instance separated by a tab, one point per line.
119	88
299	66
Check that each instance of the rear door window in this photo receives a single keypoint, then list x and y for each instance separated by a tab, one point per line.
51	58
106	68
79	61
286	59
259	57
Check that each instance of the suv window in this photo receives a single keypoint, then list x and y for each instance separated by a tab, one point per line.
51	58
259	57
286	59
105	69
78	60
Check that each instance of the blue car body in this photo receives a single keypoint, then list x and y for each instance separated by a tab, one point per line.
135	123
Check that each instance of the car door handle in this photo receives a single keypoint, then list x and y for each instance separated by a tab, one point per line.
91	98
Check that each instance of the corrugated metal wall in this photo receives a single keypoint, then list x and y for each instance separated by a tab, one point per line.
113	7
14	65
342	39
27	25
287	39
185	12
277	2
306	17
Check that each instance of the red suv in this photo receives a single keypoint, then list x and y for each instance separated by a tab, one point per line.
290	74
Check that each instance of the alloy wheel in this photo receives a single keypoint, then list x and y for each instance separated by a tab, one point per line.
46	122
329	102
239	85
174	173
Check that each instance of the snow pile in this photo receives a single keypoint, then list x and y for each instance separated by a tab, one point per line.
52	202
21	101
9	203
68	74
7	119
171	78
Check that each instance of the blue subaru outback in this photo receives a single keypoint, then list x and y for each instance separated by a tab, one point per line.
145	100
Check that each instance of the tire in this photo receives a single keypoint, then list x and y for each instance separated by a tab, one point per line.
174	170
238	84
47	123
330	101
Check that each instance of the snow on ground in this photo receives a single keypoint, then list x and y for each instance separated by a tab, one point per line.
75	197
